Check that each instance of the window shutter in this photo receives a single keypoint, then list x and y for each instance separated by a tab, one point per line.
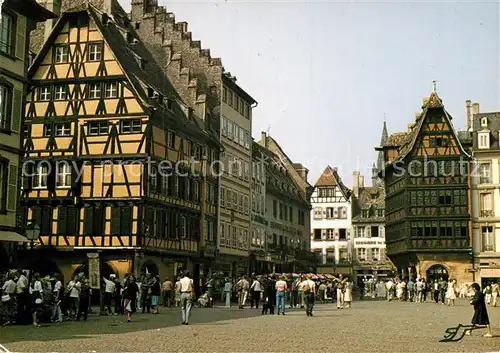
126	220
149	218
17	110
28	170
88	216
160	229
62	220
51	177
72	221
36	215
21	37
46	228
99	220
13	190
75	181
115	220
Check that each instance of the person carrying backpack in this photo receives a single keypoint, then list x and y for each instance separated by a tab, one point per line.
309	289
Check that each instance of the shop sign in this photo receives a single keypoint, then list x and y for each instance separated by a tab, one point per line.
94	271
209	250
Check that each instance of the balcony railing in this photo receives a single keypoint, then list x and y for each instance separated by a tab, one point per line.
486	213
489	247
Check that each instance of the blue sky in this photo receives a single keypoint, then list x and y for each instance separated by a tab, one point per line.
325	73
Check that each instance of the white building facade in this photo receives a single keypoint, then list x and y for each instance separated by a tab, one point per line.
485	194
331	223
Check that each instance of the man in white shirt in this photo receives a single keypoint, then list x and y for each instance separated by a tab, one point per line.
109	290
242	286
56	293
74	287
256	289
186	287
22	294
309	289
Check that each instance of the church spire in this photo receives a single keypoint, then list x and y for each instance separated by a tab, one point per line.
383	141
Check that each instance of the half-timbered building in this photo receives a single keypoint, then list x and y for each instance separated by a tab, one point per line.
214	95
427	197
331	223
118	163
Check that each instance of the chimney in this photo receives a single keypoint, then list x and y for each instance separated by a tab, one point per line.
55	7
355	187
263	137
361	182
468	114
475	108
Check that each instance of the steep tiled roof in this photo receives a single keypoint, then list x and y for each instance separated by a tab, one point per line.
371	198
142	77
327	178
396	139
432	102
330	177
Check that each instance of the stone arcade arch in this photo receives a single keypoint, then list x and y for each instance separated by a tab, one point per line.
437	272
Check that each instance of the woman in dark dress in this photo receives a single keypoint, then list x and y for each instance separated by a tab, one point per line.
129	295
480	317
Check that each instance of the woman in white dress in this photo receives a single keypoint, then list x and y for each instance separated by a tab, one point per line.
451	292
399	290
348	294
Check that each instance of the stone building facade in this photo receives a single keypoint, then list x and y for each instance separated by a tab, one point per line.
18	19
485	128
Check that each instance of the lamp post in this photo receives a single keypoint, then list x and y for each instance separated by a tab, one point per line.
32	234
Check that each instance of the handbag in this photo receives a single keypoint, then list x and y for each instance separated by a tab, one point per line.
5	298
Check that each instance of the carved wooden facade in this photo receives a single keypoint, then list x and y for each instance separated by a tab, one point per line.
427	202
113	158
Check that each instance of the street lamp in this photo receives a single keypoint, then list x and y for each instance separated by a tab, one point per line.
32	234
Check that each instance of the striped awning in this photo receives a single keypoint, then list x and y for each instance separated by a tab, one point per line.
490	272
7	235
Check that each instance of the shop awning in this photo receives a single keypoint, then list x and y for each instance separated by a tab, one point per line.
7	235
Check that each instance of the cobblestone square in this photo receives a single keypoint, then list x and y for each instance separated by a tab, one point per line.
370	326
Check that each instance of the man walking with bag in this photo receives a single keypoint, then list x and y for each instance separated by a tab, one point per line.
309	288
186	288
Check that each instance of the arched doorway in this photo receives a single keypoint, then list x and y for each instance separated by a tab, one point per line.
437	272
149	267
106	270
46	268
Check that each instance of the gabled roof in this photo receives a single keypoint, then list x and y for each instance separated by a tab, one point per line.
330	177
433	102
396	139
30	8
265	142
142	78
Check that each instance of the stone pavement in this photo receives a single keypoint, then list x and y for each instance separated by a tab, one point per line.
371	326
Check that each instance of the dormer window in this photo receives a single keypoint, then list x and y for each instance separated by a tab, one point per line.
94	51
483	140
484	122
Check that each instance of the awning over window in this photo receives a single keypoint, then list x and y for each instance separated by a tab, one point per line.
490	272
7	235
